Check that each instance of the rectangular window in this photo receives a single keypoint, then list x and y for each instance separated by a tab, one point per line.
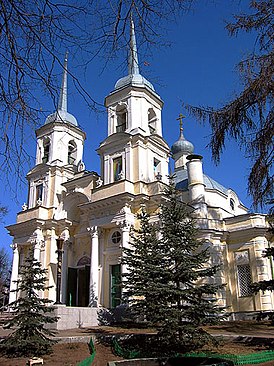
39	194
121	121
157	169
244	280
156	165
243	273
117	168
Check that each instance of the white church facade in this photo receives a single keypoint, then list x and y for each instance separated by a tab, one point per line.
92	213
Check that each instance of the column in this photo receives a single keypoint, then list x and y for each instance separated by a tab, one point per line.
14	273
94	270
59	244
36	249
264	273
125	227
64	278
52	265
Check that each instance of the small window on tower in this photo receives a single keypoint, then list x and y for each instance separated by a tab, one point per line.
152	121
117	169
156	167
121	119
46	146
72	150
232	204
39	194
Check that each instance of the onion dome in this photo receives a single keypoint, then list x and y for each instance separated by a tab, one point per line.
62	115
181	146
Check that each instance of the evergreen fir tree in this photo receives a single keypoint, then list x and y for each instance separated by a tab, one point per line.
169	278
143	279
190	292
30	314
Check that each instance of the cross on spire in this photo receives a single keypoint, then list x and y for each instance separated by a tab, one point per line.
180	119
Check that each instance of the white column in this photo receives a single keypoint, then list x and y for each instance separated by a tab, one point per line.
125	227
263	272
52	265
66	236
36	250
94	268
14	273
64	272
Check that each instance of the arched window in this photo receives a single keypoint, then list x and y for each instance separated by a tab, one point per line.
152	120
84	261
46	146
232	204
39	194
121	113
72	150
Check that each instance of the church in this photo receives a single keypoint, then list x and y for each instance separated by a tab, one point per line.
77	221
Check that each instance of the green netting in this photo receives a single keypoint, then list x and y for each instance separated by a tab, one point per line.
253	358
122	352
88	361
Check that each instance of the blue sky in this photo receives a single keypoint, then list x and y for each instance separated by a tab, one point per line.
198	68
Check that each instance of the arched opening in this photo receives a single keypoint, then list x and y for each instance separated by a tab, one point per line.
232	204
121	113
72	150
152	120
78	289
46	146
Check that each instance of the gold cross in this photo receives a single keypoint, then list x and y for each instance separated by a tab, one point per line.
180	119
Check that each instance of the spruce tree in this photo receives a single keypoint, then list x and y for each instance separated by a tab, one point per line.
30	314
190	292
143	279
169	279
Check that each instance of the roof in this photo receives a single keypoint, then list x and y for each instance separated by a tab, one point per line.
181	182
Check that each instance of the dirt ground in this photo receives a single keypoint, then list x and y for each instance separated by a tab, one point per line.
251	337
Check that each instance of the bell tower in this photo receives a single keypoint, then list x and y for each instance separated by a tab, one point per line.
59	153
134	149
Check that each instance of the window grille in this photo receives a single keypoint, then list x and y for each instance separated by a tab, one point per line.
116	237
244	279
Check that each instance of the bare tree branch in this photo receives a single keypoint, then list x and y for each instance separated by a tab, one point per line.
249	117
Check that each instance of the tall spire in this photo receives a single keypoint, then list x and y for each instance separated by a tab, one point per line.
63	98
133	65
133	78
62	115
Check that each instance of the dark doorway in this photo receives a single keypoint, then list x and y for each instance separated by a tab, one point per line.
78	286
115	285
